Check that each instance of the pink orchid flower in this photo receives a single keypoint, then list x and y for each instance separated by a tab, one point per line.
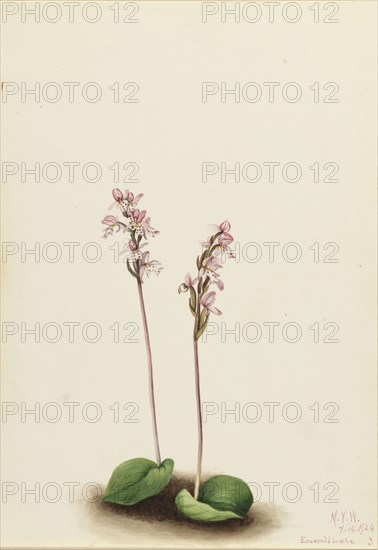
224	227
149	266
113	224
140	224
189	281
211	264
126	201
132	250
225	239
209	268
208	300
224	242
215	279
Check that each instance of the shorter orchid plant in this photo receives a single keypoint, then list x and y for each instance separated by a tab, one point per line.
221	497
138	478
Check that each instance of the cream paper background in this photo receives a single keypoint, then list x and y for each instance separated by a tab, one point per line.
169	133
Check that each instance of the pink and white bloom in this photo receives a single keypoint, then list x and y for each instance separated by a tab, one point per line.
137	224
225	239
211	264
132	250
113	226
149	266
126	201
140	224
209	269
224	227
224	242
208	300
189	281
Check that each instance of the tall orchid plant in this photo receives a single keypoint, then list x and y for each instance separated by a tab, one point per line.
221	497
138	478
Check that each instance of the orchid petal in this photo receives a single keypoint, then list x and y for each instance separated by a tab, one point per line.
188	280
208	299
220	284
226	238
215	310
138	197
225	226
214	228
109	220
117	194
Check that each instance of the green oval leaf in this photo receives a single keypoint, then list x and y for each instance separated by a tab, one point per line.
136	480
194	509
227	493
221	497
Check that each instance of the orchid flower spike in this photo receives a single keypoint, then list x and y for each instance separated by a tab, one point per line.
202	298
138	226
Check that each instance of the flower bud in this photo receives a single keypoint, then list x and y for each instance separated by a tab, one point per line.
117	195
225	226
132	245
130	197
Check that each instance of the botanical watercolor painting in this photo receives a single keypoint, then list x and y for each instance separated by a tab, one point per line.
188	269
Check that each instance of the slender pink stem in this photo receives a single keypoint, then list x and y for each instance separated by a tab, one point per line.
199	420
198	392
150	373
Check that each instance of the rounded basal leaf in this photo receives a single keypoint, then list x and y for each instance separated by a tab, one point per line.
137	479
199	511
227	493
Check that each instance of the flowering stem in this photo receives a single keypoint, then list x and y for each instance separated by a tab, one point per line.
150	372
198	399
